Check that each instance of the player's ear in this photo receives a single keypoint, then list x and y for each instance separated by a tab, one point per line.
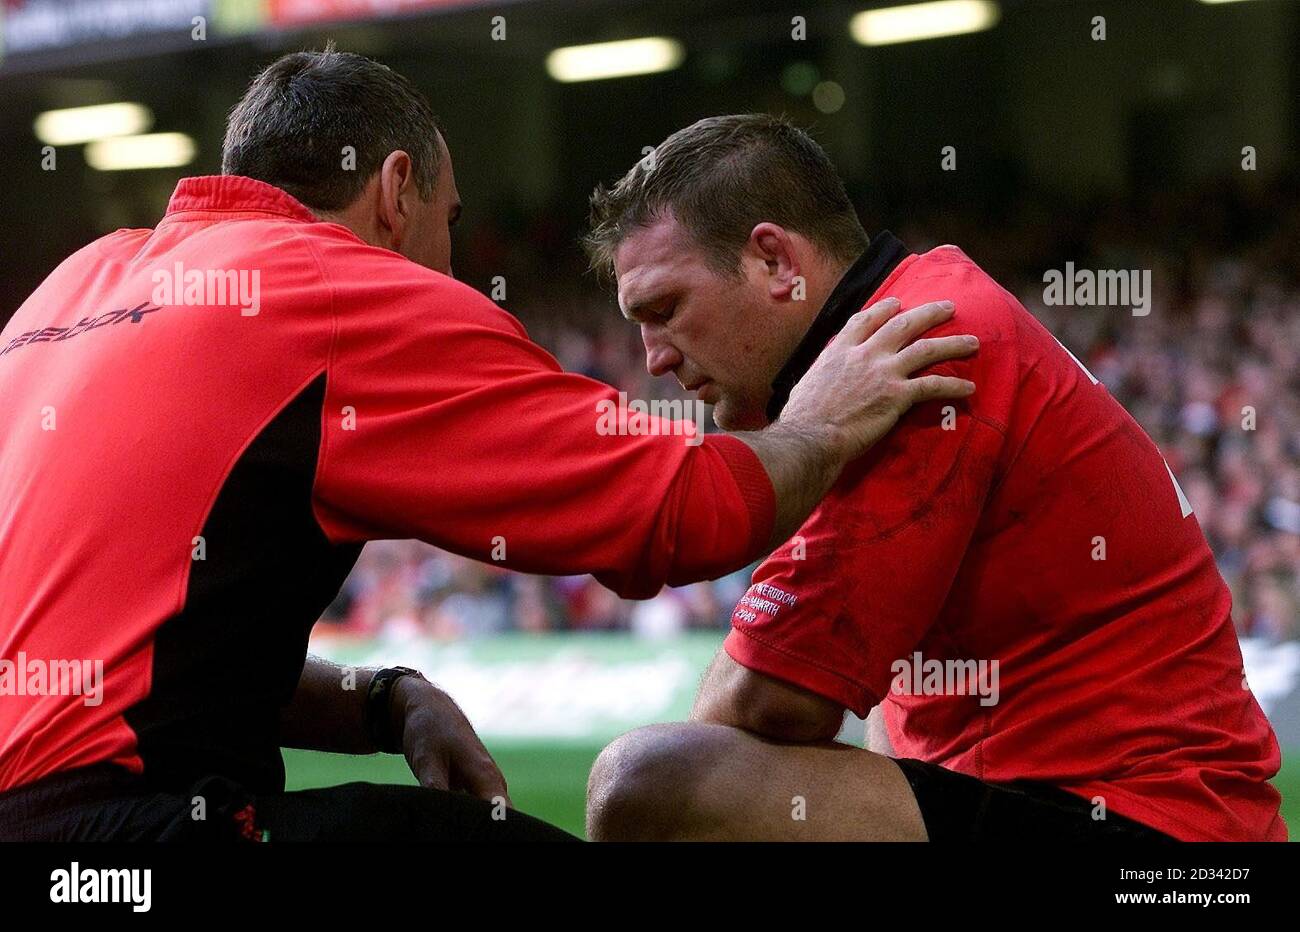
396	188
772	245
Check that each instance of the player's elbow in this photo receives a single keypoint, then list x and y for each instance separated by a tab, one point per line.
805	724
765	706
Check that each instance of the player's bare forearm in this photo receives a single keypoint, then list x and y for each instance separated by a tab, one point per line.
802	464
327	711
731	694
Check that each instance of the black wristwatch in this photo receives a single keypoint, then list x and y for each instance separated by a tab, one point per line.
379	702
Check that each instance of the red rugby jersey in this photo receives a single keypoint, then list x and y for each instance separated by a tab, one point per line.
186	476
1118	678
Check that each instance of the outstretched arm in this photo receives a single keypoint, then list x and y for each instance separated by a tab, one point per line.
459	431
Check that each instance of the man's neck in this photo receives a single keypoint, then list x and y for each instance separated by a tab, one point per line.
831	274
819	286
854	284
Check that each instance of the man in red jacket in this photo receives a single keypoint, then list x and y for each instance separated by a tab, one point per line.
1014	581
203	422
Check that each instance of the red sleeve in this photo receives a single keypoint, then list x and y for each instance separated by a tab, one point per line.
867	574
444	422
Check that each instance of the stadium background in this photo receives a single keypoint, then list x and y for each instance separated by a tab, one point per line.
1123	152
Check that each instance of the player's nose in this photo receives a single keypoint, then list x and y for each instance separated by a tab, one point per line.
661	357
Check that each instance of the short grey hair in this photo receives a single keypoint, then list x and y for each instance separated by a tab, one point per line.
292	125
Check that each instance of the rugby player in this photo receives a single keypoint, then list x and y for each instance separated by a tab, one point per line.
1013	582
189	468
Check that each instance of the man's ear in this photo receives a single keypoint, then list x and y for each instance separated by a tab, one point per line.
773	245
396	186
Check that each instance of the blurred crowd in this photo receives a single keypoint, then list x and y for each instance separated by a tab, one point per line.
1212	374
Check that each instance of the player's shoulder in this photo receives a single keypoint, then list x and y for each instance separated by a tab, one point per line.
1006	328
985	307
116	246
377	286
76	268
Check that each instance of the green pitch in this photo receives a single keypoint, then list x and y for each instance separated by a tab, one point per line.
550	781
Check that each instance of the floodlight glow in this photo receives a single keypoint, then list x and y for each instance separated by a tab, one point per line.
915	21
86	124
614	59
156	150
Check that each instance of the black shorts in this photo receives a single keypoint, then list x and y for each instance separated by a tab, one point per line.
957	807
106	803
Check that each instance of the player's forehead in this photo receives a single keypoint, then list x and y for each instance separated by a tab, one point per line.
650	260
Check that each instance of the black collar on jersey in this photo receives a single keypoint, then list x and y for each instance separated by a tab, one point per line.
862	279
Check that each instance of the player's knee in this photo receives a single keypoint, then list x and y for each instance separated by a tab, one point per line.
641	784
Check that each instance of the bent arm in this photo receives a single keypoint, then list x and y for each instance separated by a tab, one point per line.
328	713
763	705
